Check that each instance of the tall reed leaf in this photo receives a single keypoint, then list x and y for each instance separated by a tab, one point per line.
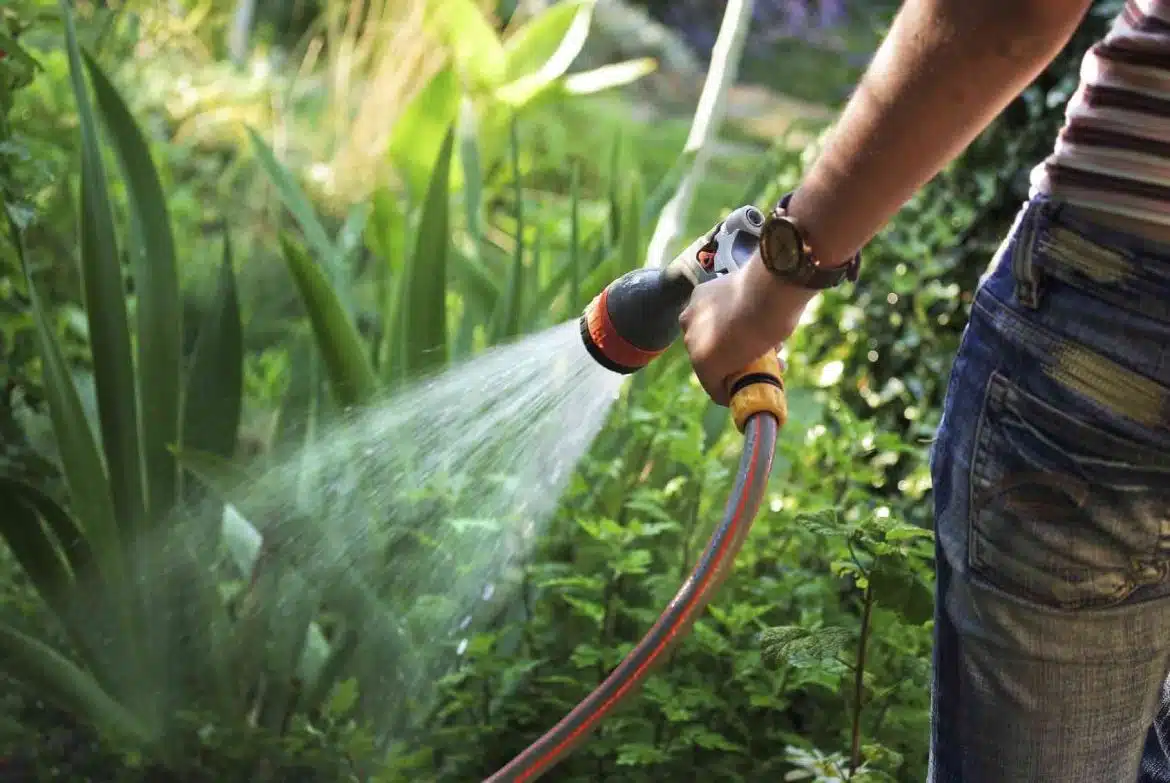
213	397
105	308
81	459
156	285
351	375
508	319
416	139
298	204
426	293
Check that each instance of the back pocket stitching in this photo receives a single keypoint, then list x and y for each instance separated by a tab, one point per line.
995	401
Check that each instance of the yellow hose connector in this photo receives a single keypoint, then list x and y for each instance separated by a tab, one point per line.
758	388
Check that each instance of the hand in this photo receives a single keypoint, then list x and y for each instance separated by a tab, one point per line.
735	319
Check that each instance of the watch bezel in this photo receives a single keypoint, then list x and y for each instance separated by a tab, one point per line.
806	270
792	243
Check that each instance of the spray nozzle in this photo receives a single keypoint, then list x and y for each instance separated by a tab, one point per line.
635	318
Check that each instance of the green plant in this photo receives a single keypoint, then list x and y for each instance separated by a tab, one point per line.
128	565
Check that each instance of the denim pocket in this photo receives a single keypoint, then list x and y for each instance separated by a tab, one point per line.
1063	513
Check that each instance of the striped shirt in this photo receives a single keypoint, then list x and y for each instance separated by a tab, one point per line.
1113	153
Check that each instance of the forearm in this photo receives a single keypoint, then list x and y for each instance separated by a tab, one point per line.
945	70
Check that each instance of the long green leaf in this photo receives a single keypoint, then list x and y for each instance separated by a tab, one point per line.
575	238
472	172
81	459
386	233
105	307
508	320
417	137
542	50
632	246
351	375
213	397
299	206
531	46
156	284
61	681
67	535
34	547
426	302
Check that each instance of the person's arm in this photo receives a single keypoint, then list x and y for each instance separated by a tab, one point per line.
944	71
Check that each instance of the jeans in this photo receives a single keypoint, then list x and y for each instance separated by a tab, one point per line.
1051	474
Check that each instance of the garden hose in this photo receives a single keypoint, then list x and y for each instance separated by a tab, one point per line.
632	321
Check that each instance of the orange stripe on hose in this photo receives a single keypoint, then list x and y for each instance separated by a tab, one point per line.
609	341
672	634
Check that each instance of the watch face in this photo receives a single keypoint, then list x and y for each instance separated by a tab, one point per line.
781	245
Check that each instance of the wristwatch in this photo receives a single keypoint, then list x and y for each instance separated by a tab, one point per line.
786	253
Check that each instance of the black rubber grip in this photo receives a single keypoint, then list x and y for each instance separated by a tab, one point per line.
753	378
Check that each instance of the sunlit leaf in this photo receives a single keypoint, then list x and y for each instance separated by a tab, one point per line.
608	77
417	137
470	38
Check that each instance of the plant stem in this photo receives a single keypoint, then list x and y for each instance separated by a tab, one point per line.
859	681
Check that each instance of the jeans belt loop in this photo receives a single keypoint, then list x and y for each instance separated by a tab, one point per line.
1027	276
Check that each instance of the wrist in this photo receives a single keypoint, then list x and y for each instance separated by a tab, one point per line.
774	304
805	206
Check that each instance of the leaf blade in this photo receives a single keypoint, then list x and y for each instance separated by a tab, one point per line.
351	375
157	288
426	296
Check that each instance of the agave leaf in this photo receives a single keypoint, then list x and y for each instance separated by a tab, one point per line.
67	534
105	309
34	547
213	398
426	293
81	460
156	284
61	681
351	375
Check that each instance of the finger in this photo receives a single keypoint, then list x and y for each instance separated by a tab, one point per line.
716	390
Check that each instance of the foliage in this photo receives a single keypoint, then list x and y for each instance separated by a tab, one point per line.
139	376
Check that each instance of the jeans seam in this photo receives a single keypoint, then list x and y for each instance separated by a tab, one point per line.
974	486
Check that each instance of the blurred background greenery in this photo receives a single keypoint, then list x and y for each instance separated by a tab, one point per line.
227	216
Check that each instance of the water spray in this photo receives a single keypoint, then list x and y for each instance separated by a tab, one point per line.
630	323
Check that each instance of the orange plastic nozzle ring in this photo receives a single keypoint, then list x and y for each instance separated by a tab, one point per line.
609	341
